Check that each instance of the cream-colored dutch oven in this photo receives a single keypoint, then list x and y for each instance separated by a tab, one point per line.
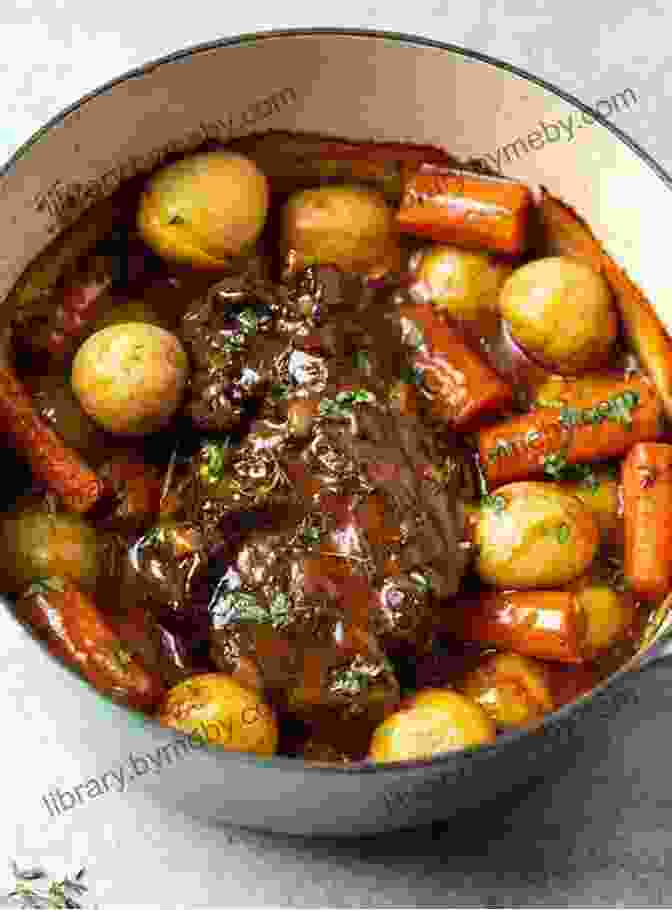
361	86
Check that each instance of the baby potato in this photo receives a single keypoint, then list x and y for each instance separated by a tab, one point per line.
349	227
560	311
512	689
130	377
462	284
534	535
222	712
433	721
37	543
610	615
204	209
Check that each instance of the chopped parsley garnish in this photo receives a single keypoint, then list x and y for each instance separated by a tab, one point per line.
619	408
241	606
563	533
279	611
412	334
45	585
341	407
421	581
556	467
214	460
501	448
361	361
496	503
411	374
279	391
311	534
248	323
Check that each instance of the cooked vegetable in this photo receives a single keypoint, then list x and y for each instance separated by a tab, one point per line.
463	285
306	535
472	210
564	233
433	721
462	388
647	506
549	625
598	419
222	712
204	209
350	227
535	535
513	690
130	378
560	311
610	615
599	490
37	543
291	161
76	631
51	461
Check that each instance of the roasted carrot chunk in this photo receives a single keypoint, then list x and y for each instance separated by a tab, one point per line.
463	387
593	421
76	631
471	210
51	461
647	506
543	624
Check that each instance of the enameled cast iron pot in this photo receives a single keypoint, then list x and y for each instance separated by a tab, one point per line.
360	86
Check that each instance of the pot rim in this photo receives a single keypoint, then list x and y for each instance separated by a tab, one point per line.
414	41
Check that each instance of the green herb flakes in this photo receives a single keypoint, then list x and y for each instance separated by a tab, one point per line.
563	534
421	582
213	455
501	448
242	606
341	407
361	360
45	586
311	535
496	503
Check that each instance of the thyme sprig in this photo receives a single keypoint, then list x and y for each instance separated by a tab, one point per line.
34	889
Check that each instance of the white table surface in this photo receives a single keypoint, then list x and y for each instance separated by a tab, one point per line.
601	835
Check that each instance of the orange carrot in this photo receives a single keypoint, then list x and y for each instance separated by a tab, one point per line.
543	624
77	632
463	387
51	461
599	420
289	160
647	506
472	210
565	233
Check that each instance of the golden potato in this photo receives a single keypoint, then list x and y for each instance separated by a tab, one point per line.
513	690
37	543
130	377
610	615
349	227
204	209
463	284
534	535
222	712
434	721
560	311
